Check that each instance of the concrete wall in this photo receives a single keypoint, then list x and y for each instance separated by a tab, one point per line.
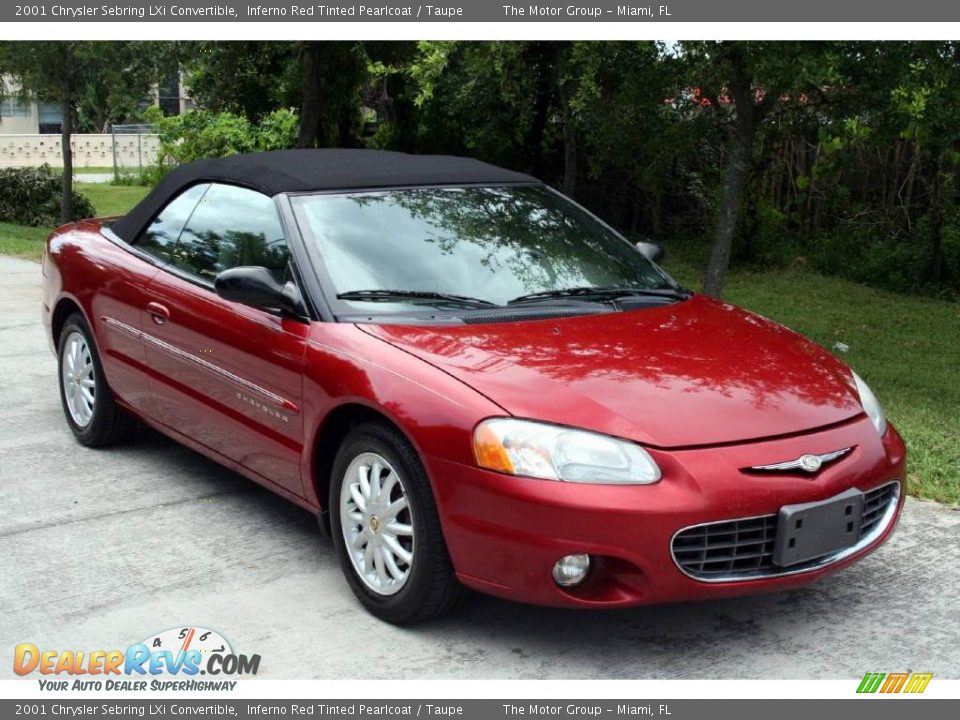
32	150
21	124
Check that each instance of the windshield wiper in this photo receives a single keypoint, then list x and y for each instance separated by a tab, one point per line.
425	295
606	293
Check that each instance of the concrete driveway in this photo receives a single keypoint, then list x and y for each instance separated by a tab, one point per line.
101	548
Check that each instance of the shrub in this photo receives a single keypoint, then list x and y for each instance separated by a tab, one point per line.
766	238
277	131
31	196
140	177
200	134
897	264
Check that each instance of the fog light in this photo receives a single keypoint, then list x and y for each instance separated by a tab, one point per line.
570	570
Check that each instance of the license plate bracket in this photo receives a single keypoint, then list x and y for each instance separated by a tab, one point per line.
807	531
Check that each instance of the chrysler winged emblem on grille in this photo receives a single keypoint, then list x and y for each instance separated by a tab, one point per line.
809	463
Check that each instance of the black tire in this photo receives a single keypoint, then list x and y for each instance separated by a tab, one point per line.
109	424
432	588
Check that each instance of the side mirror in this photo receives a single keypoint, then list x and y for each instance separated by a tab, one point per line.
651	250
255	286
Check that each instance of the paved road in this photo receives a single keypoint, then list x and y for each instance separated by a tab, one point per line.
100	548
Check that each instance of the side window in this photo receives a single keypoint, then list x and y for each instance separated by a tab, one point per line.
232	226
161	235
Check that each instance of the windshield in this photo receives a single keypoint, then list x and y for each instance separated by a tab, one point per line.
488	244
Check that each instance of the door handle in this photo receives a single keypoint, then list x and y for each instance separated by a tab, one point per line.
158	312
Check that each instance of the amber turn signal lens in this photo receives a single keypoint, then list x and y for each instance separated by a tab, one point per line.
489	452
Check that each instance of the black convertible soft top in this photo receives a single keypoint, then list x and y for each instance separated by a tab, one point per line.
282	171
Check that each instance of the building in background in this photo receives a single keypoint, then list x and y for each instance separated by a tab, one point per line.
22	116
30	132
27	116
172	95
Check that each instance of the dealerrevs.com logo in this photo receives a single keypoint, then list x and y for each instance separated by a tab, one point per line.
170	660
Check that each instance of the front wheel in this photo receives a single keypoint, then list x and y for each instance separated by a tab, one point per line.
386	530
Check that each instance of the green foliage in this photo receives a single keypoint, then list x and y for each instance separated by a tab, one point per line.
31	197
107	82
899	265
200	134
277	130
130	178
252	79
246	78
855	153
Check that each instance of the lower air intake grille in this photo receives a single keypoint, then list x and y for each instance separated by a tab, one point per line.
875	504
742	549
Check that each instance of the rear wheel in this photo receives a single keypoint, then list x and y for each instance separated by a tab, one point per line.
386	530
88	404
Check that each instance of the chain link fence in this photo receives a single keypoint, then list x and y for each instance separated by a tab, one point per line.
134	150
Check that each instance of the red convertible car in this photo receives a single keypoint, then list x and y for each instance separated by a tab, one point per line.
471	380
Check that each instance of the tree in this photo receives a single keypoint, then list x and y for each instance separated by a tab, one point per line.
332	75
745	82
322	79
248	78
64	72
926	100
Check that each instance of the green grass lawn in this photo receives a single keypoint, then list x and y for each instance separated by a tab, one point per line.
110	199
907	348
20	241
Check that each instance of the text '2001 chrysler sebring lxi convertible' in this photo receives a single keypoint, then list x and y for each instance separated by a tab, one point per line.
473	381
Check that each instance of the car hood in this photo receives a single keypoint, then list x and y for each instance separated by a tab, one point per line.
698	372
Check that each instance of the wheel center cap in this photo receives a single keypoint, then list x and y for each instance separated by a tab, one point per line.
374	523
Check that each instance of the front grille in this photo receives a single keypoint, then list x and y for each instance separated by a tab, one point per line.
727	547
743	548
875	504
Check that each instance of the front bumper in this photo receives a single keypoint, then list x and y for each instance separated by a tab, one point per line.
505	533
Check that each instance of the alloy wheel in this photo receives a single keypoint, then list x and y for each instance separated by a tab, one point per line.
377	524
78	379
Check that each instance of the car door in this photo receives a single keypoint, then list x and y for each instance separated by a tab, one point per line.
225	375
117	306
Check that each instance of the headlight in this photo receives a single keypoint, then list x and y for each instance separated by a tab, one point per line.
522	447
870	405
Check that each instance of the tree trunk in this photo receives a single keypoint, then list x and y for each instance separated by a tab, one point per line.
569	144
309	132
936	224
66	131
738	169
543	65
